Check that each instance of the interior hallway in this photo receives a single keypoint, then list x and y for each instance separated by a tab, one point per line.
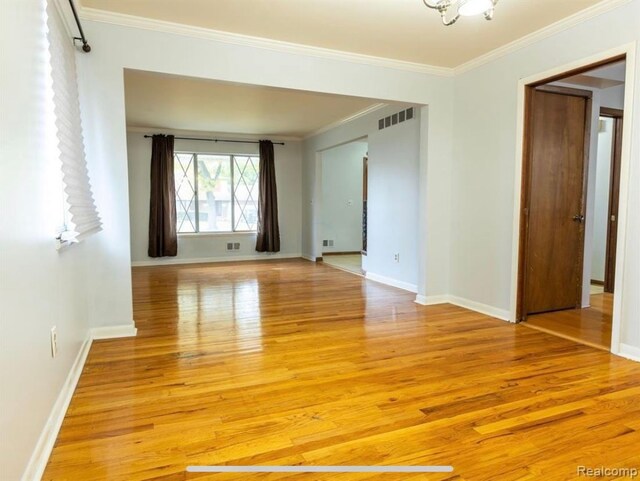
292	362
591	326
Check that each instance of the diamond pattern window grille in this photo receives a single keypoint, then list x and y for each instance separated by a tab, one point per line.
245	193
191	209
184	170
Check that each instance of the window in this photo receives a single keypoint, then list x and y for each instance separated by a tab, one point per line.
81	218
216	193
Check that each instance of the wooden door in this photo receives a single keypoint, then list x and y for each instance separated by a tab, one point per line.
614	196
555	206
365	195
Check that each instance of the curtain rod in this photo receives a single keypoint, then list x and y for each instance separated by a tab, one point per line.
85	45
219	140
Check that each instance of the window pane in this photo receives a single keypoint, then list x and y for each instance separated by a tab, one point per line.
214	193
246	192
183	170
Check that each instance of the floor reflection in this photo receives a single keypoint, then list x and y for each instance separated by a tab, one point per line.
233	308
591	325
346	262
292	362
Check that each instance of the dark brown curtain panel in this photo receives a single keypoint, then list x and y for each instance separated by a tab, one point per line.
163	237
268	230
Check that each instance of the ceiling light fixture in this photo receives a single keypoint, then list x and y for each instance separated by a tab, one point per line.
466	8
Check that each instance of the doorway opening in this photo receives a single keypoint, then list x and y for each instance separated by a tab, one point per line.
570	195
603	265
344	204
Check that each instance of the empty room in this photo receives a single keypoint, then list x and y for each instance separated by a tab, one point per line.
320	240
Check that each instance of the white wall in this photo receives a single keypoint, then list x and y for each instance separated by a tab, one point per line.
598	188
601	201
474	236
482	214
39	286
117	47
313	151
392	212
612	97
212	247
469	168
590	201
342	169
599	177
395	157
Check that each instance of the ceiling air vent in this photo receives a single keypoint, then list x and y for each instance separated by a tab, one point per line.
394	119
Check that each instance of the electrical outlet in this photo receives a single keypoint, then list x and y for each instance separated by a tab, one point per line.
396	257
236	246
54	341
229	246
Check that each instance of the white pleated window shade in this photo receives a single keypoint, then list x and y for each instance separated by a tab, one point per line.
83	219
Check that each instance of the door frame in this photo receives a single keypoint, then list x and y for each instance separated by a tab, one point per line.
626	51
614	194
523	257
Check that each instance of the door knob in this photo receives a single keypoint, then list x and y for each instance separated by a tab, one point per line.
578	218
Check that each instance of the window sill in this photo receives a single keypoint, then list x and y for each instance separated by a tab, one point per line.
63	245
215	234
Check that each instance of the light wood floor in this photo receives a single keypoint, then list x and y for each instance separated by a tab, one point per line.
591	326
346	262
298	363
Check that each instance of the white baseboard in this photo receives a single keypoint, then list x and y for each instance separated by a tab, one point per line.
481	308
309	258
629	352
206	260
392	282
114	332
466	303
44	446
431	300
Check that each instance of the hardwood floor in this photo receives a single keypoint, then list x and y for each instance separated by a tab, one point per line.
350	262
293	362
591	326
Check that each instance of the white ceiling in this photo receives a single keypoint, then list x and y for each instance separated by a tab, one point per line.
615	71
161	101
395	29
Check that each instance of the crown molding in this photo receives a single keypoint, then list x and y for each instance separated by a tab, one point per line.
538	35
351	118
114	18
96	15
67	17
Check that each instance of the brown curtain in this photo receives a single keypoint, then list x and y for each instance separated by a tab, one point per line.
163	238
268	230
